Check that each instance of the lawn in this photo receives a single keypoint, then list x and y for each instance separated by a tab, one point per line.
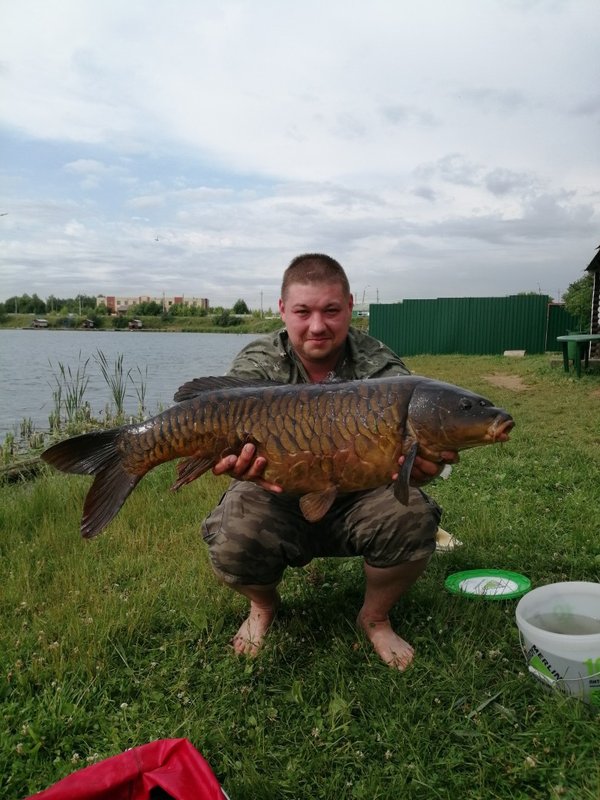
115	642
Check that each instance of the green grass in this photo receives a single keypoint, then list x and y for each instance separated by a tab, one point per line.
206	324
252	324
108	644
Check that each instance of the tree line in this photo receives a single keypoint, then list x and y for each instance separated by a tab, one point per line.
33	304
85	305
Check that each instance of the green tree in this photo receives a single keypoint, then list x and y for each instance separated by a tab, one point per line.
85	302
26	304
63	305
186	310
225	320
37	305
97	319
578	300
149	309
183	310
240	307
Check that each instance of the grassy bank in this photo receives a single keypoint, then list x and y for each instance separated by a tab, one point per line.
207	324
108	644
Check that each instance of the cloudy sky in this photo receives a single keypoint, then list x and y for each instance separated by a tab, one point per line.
435	148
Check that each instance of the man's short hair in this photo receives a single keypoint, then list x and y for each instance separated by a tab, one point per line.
314	268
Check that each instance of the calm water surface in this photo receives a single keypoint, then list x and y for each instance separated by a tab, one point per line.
30	359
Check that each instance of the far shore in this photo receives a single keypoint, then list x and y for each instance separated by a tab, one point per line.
251	323
207	324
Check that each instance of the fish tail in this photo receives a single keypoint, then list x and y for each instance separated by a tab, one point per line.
96	454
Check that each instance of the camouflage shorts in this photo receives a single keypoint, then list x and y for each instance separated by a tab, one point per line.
253	535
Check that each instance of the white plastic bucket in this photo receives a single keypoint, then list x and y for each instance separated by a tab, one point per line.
559	626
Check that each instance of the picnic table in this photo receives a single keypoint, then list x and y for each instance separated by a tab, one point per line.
582	345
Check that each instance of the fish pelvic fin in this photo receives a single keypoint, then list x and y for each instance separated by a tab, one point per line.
191	468
315	505
96	454
402	483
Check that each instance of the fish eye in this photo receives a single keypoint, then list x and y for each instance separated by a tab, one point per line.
465	404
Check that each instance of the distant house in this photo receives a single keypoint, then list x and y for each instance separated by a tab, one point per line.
594	268
87	324
39	323
122	305
135	324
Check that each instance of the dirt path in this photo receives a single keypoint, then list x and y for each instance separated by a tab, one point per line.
514	382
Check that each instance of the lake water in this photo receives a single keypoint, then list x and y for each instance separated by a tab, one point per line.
30	363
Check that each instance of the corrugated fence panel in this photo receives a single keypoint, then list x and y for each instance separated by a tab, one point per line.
559	323
467	325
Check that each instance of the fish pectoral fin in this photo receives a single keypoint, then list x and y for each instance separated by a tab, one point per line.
191	468
403	480
315	505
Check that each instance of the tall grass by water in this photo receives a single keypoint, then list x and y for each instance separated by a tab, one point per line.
71	410
111	643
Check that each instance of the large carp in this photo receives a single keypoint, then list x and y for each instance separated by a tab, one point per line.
318	439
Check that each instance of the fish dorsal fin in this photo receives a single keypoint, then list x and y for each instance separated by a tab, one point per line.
403	480
191	468
315	505
198	386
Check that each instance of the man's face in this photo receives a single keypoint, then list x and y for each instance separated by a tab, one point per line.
317	317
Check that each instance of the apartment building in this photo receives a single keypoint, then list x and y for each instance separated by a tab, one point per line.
121	305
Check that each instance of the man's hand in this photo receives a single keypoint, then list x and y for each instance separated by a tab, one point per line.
424	471
246	467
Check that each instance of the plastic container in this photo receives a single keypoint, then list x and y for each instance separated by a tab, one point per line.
493	584
559	625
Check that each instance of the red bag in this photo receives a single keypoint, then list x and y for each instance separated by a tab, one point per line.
171	765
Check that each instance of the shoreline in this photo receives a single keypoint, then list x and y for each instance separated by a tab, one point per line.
258	327
248	325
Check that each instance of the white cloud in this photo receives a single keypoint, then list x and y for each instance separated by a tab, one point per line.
430	146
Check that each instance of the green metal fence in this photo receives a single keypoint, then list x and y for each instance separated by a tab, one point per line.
470	325
559	323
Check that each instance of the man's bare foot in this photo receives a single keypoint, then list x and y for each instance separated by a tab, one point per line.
249	639
390	647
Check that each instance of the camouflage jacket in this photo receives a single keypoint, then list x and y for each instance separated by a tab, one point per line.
273	358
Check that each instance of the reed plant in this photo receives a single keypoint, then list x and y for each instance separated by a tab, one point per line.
115	378
140	387
70	387
111	643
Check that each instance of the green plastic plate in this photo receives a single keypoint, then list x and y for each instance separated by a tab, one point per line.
493	584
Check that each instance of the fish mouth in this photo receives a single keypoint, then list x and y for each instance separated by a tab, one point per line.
501	428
